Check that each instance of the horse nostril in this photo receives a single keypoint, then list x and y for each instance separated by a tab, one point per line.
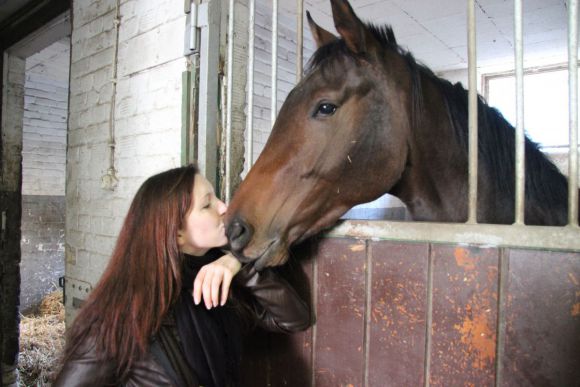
235	230
239	234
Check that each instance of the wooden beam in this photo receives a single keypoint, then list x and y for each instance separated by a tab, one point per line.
28	19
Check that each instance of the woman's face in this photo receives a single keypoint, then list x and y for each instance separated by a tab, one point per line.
204	223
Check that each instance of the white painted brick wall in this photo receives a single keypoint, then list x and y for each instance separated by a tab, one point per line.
147	117
287	26
44	123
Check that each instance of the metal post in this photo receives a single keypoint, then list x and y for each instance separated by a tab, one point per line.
299	39
230	87
573	102
520	136
473	149
274	105
208	21
250	112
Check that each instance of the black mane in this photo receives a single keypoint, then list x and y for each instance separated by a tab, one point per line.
546	188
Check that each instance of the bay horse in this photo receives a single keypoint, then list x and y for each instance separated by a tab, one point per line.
366	120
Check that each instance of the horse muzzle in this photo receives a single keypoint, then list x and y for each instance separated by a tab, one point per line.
239	233
269	252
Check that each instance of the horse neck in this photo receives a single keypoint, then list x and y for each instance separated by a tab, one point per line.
546	191
433	185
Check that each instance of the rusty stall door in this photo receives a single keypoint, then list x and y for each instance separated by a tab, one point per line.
412	314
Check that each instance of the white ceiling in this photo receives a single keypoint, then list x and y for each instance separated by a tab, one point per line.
436	31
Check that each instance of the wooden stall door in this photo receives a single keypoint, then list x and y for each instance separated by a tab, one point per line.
413	314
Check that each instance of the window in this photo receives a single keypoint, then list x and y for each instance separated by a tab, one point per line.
546	117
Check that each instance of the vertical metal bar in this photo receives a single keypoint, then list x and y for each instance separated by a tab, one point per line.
313	352
428	320
185	117
209	15
299	39
472	121
573	102
250	112
368	313
501	307
229	96
274	105
193	27
520	137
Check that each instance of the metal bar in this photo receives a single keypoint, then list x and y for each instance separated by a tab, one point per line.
542	237
368	311
299	39
274	104
193	27
185	116
250	113
520	136
208	21
501	312
314	329
229	96
472	120
194	110
428	321
573	102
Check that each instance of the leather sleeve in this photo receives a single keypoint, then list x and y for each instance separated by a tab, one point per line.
274	302
85	369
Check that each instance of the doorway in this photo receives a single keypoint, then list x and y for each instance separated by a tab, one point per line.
24	35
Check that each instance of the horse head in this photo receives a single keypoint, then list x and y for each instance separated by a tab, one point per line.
340	139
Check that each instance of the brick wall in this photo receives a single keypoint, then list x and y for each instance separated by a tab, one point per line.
44	125
43	172
147	122
42	247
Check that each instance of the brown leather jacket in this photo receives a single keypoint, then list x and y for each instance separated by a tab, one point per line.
276	306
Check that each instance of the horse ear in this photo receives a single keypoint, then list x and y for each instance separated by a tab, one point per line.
349	26
321	36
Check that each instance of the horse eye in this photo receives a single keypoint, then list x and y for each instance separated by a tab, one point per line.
326	109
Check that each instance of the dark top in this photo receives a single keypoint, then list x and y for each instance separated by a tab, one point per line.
195	346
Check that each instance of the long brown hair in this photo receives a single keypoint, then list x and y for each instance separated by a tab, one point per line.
142	278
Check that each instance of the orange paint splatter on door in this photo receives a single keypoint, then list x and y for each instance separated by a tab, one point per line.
463	259
357	247
477	334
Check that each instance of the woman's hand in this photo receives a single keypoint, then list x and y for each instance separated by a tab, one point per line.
212	277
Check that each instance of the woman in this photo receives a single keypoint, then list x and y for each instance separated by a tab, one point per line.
144	324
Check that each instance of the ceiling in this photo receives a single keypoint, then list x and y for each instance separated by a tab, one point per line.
9	7
436	31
